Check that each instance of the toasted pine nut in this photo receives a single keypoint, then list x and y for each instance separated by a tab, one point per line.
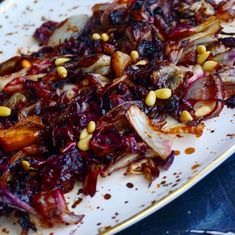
150	99
96	36
163	93
84	133
25	164
62	71
185	116
26	64
83	144
201	49
61	61
142	62
91	127
105	37
209	65
203	57
5	111
135	56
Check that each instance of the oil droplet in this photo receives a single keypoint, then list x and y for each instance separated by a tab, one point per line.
77	202
107	196
176	152
189	150
195	166
130	185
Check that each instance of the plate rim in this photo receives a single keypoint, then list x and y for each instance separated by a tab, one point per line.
172	196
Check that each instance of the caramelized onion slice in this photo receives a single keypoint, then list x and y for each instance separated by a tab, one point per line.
67	29
158	141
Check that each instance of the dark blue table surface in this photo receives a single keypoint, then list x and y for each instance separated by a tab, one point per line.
208	206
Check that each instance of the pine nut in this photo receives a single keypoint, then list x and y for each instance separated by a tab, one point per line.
185	116
83	144
5	111
61	61
25	164
142	62
209	65
91	127
62	71
26	64
84	133
96	36
150	99
203	57
135	56
201	49
163	93
105	37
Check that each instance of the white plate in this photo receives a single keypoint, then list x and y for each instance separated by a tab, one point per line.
126	205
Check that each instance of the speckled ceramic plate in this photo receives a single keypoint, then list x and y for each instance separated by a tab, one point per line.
120	201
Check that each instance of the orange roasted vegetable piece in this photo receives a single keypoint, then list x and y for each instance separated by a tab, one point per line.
22	134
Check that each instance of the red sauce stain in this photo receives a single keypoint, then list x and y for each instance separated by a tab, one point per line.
195	166
130	185
189	150
51	234
231	135
176	152
107	196
77	202
79	191
4	230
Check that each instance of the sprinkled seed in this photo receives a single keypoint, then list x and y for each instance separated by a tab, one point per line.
91	127
163	93
60	61
26	64
203	57
105	37
135	56
84	133
185	116
62	71
96	36
25	164
209	65
5	111
83	144
201	49
142	62
150	99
